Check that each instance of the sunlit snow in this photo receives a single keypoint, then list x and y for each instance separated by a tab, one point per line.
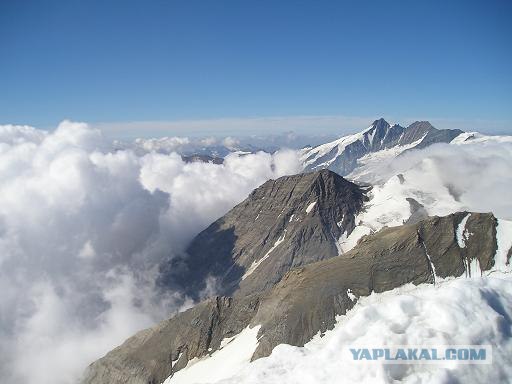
457	312
310	207
234	354
257	263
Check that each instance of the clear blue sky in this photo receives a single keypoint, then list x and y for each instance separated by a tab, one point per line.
111	61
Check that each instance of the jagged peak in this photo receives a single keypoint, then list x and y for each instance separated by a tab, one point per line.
377	125
380	121
319	180
425	125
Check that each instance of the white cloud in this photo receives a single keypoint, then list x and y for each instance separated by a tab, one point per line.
166	144
208	141
230	142
470	176
82	232
473	176
19	134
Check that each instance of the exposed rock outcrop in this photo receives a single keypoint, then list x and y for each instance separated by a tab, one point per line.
342	155
307	299
154	354
285	223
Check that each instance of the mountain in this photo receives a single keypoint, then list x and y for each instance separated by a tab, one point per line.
285	223
301	253
307	299
202	159
342	155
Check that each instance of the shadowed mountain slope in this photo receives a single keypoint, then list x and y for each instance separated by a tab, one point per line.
285	223
342	155
307	299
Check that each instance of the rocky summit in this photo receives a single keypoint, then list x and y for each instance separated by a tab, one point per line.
342	155
285	223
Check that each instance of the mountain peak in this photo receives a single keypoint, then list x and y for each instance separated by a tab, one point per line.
320	176
284	223
302	184
380	121
380	124
342	155
423	125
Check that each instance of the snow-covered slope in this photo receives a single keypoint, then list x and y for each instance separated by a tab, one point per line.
377	167
472	173
457	312
234	354
477	137
454	311
343	155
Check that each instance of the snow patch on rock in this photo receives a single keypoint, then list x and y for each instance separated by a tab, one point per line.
462	234
234	354
256	264
310	207
504	239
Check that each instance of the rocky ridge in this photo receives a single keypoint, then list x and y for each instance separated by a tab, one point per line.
285	223
342	155
307	298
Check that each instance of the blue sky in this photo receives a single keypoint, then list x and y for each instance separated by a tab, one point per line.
152	62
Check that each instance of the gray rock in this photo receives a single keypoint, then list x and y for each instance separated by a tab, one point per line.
306	300
198	158
380	135
418	211
271	227
154	354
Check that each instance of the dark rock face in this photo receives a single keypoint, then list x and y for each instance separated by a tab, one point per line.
306	300
438	136
198	158
154	354
380	135
418	211
285	223
416	131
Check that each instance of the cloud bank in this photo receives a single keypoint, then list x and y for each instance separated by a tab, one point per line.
220	147
473	176
82	231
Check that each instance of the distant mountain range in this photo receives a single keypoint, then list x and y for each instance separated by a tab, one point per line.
342	155
348	155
